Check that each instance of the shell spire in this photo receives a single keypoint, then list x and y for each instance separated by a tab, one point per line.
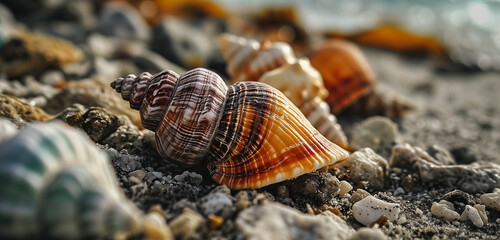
249	133
56	184
147	93
248	60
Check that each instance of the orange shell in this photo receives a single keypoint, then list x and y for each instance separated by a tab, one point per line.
345	71
263	139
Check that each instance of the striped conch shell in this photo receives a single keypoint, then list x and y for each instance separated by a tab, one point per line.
303	85
54	183
345	71
249	133
248	59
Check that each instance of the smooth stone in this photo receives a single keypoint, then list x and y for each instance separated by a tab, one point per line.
120	19
277	221
364	165
377	133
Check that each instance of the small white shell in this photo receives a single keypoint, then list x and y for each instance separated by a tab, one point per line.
299	81
370	209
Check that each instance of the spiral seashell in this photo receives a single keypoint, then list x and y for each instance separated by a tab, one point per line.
345	71
248	60
249	133
303	84
54	183
299	81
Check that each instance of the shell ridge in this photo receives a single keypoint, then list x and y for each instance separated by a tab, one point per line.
218	122
236	160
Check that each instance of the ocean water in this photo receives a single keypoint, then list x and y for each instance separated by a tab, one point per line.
469	30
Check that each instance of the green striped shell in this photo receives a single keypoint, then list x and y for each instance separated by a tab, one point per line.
55	184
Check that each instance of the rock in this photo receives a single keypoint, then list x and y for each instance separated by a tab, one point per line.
444	209
492	200
276	221
408	183
463	155
215	221
77	11
458	196
187	225
28	7
29	53
189	177
476	214
224	189
318	186
155	227
377	133
149	61
7	25
28	89
52	77
98	123
364	165
369	209
358	195
20	112
104	127
7	129
217	204
345	187
119	19
138	175
440	154
91	93
405	156
471	178
365	233
242	201
183	43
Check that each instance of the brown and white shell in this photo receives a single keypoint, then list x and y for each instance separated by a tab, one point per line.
249	133
248	60
299	81
346	73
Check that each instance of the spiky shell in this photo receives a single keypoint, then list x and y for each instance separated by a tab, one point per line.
55	184
249	133
345	71
299	81
318	113
248	60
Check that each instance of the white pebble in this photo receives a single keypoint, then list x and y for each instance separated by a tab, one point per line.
402	220
370	209
492	200
444	209
419	212
473	214
345	187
